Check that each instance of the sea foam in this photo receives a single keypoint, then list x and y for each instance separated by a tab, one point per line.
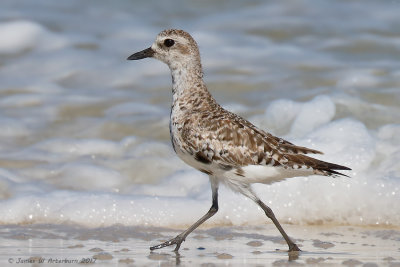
183	195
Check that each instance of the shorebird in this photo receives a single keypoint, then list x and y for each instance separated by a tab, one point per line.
219	143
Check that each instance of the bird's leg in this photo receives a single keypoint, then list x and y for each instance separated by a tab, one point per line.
181	237
270	214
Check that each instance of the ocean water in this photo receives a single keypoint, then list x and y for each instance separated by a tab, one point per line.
84	133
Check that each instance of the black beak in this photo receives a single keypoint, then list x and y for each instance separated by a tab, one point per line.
142	54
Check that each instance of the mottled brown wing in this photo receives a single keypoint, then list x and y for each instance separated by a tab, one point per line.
222	141
234	142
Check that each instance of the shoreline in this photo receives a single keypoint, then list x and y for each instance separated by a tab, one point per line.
228	245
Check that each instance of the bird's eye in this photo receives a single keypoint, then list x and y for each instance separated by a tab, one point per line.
169	42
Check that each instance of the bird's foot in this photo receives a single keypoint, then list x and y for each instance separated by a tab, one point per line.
293	247
174	241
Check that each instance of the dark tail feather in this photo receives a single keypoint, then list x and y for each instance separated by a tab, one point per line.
333	173
319	166
330	169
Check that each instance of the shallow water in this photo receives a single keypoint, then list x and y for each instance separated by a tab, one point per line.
84	137
218	246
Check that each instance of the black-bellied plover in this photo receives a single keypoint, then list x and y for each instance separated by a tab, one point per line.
228	148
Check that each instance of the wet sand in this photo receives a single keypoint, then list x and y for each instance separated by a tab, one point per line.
59	245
